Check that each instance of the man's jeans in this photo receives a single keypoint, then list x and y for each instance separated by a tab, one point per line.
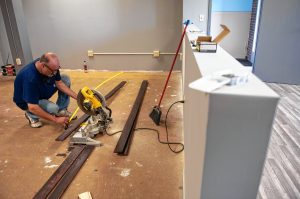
62	102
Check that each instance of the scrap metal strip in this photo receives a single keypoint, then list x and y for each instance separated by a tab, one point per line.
122	146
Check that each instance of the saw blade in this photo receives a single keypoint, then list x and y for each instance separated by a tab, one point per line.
100	97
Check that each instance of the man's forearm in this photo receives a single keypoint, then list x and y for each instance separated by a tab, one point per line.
37	110
63	88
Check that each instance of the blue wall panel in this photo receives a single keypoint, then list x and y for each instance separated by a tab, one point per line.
232	5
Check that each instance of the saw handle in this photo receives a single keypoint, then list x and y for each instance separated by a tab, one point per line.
89	95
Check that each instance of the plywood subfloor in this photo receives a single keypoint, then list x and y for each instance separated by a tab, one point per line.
28	156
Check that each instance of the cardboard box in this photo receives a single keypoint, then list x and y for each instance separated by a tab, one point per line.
208	47
206	44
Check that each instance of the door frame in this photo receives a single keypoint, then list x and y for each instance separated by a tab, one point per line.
257	23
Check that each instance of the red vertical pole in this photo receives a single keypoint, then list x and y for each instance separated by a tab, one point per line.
174	60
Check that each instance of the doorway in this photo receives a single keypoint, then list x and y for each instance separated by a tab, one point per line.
242	18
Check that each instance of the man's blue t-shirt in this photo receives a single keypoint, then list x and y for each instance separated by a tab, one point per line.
31	86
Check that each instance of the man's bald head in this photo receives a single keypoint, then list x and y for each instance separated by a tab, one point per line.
51	60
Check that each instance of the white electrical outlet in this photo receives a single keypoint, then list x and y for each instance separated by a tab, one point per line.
90	53
156	53
18	61
202	18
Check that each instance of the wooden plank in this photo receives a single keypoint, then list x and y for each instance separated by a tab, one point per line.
83	118
128	128
71	173
58	174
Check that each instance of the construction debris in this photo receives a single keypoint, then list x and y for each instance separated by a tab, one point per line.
85	195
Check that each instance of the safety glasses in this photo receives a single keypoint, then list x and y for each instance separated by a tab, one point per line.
53	72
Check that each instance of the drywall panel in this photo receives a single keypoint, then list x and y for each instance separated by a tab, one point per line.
195	123
237	138
72	27
277	50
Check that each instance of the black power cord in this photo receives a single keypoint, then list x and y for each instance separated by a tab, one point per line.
114	133
166	126
158	134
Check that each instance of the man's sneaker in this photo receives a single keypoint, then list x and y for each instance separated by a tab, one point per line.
34	123
65	113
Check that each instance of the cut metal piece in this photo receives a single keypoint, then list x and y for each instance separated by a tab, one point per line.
122	147
127	148
72	128
58	174
71	173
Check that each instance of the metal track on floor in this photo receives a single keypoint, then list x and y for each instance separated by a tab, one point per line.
126	137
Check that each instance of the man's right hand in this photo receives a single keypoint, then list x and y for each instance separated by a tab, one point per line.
62	120
37	110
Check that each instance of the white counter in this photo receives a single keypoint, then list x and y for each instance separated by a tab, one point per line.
226	131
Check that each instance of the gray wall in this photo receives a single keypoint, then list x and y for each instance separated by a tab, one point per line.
192	10
277	52
23	34
239	24
72	27
1	61
4	45
12	12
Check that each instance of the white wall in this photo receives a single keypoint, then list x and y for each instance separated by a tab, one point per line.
239	24
277	51
72	27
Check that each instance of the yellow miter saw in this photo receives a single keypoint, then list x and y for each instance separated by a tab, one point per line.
92	103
